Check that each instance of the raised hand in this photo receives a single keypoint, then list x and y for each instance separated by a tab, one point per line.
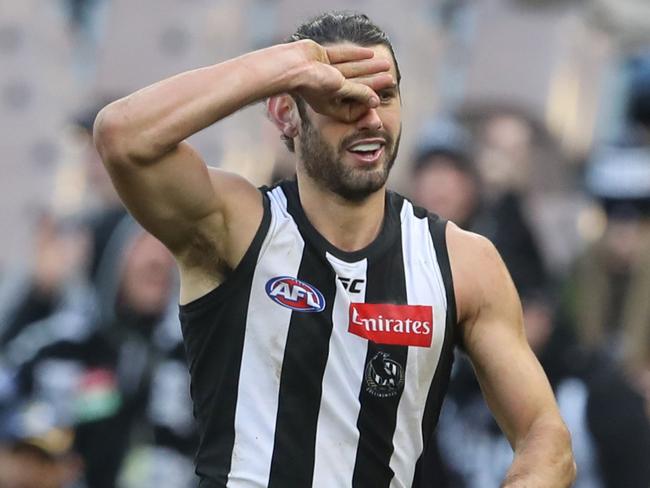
342	81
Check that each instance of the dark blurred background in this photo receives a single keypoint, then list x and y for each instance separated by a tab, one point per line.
527	121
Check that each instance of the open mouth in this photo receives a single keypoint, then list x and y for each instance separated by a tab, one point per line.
367	151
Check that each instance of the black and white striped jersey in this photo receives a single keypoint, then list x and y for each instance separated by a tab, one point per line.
314	367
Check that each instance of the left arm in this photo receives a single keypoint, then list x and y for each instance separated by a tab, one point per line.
512	380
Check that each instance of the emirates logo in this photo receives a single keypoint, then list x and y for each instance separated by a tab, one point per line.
382	323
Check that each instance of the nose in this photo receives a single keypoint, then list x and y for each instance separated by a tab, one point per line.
370	120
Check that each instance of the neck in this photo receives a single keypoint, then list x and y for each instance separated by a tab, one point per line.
348	225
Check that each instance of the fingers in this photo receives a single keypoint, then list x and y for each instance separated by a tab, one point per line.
361	93
346	112
342	53
377	82
358	95
354	112
366	67
364	90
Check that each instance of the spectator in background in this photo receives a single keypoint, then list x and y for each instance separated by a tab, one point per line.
444	176
446	180
609	429
66	247
60	254
607	298
472	451
64	267
121	379
607	304
610	284
472	448
36	449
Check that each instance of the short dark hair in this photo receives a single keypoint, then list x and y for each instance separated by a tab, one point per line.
335	27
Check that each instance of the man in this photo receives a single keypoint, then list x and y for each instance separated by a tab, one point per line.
319	316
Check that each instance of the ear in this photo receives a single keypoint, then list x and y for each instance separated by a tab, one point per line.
282	111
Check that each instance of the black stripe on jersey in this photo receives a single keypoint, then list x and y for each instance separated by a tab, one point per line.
386	283
303	367
437	228
214	342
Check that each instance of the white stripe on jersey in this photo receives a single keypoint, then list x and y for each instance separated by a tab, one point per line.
264	343
423	281
337	435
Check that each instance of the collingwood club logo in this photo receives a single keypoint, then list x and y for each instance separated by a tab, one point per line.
384	376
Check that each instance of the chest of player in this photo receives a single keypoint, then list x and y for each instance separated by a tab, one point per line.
366	324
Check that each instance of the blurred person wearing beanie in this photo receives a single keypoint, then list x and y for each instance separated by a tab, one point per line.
607	293
122	380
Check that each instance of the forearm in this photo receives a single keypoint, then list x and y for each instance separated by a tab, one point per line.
152	121
543	459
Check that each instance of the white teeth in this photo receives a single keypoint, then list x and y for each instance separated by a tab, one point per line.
374	146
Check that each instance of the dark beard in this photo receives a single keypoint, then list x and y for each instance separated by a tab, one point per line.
328	170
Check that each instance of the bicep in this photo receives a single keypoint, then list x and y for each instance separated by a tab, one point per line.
511	378
182	201
167	197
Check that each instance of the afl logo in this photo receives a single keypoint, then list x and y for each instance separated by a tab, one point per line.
295	294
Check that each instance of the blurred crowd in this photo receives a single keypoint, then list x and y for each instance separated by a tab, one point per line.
588	324
94	388
93	381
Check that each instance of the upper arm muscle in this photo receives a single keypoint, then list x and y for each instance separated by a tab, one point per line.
511	378
168	197
191	207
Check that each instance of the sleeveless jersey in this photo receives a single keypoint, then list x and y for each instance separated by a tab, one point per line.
314	367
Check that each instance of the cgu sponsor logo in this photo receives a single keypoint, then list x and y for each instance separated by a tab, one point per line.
384	323
295	294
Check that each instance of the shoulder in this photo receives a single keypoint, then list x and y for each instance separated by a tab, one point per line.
240	214
481	278
470	248
234	189
220	240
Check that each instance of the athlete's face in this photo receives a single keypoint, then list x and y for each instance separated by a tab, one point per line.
353	159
